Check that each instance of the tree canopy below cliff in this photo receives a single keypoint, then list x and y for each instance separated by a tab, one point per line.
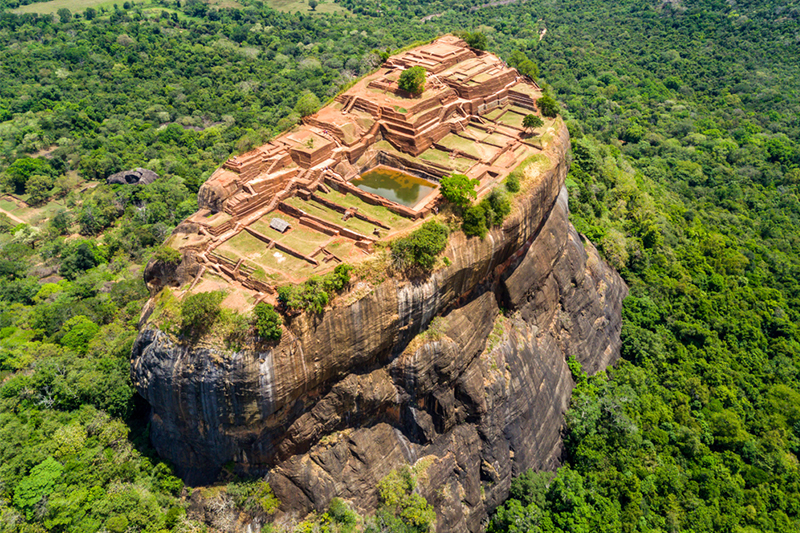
685	118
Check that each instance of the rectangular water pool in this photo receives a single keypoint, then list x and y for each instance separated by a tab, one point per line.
395	185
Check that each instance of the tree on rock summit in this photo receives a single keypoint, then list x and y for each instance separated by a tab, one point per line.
412	80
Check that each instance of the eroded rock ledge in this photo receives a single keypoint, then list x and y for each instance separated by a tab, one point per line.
346	396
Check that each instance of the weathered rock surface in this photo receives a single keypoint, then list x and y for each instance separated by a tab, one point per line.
351	394
135	176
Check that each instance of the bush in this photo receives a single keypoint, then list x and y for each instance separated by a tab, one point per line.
420	248
476	39
314	294
199	311
474	224
548	106
399	499
458	189
512	183
497	207
253	496
307	104
339	279
310	296
341	513
412	80
167	254
267	322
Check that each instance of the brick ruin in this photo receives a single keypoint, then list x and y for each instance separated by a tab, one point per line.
467	120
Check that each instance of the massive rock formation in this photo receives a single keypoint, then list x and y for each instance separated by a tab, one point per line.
371	384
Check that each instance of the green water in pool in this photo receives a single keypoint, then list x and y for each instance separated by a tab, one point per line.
394	185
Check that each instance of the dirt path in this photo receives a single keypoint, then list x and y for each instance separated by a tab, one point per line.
12	217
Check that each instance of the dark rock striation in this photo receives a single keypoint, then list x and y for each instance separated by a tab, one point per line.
472	397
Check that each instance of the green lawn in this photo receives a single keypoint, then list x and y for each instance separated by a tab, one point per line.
459	164
325	6
512	119
473	148
393	220
494	113
303	239
256	252
77	6
319	210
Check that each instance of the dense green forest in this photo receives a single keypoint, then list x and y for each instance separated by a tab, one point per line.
685	118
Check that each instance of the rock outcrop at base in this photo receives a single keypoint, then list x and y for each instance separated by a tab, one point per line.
346	396
135	176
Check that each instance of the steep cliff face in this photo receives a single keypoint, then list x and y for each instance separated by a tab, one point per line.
357	391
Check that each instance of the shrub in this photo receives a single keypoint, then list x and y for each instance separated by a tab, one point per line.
310	295
475	39
512	183
399	499
474	224
167	254
307	104
235	328
199	311
341	513
420	248
412	80
339	279
314	294
548	106
458	189
497	207
253	496
267	322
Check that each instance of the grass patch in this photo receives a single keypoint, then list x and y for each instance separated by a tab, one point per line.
291	6
77	6
460	164
393	220
304	240
512	119
495	113
334	217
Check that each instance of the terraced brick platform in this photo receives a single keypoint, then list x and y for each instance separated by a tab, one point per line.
468	120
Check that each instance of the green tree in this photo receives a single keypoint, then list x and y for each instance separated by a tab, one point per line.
476	39
38	188
458	189
412	80
313	4
474	224
199	311
531	122
548	106
307	104
267	322
16	176
421	248
38	484
61	221
64	14
78	333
